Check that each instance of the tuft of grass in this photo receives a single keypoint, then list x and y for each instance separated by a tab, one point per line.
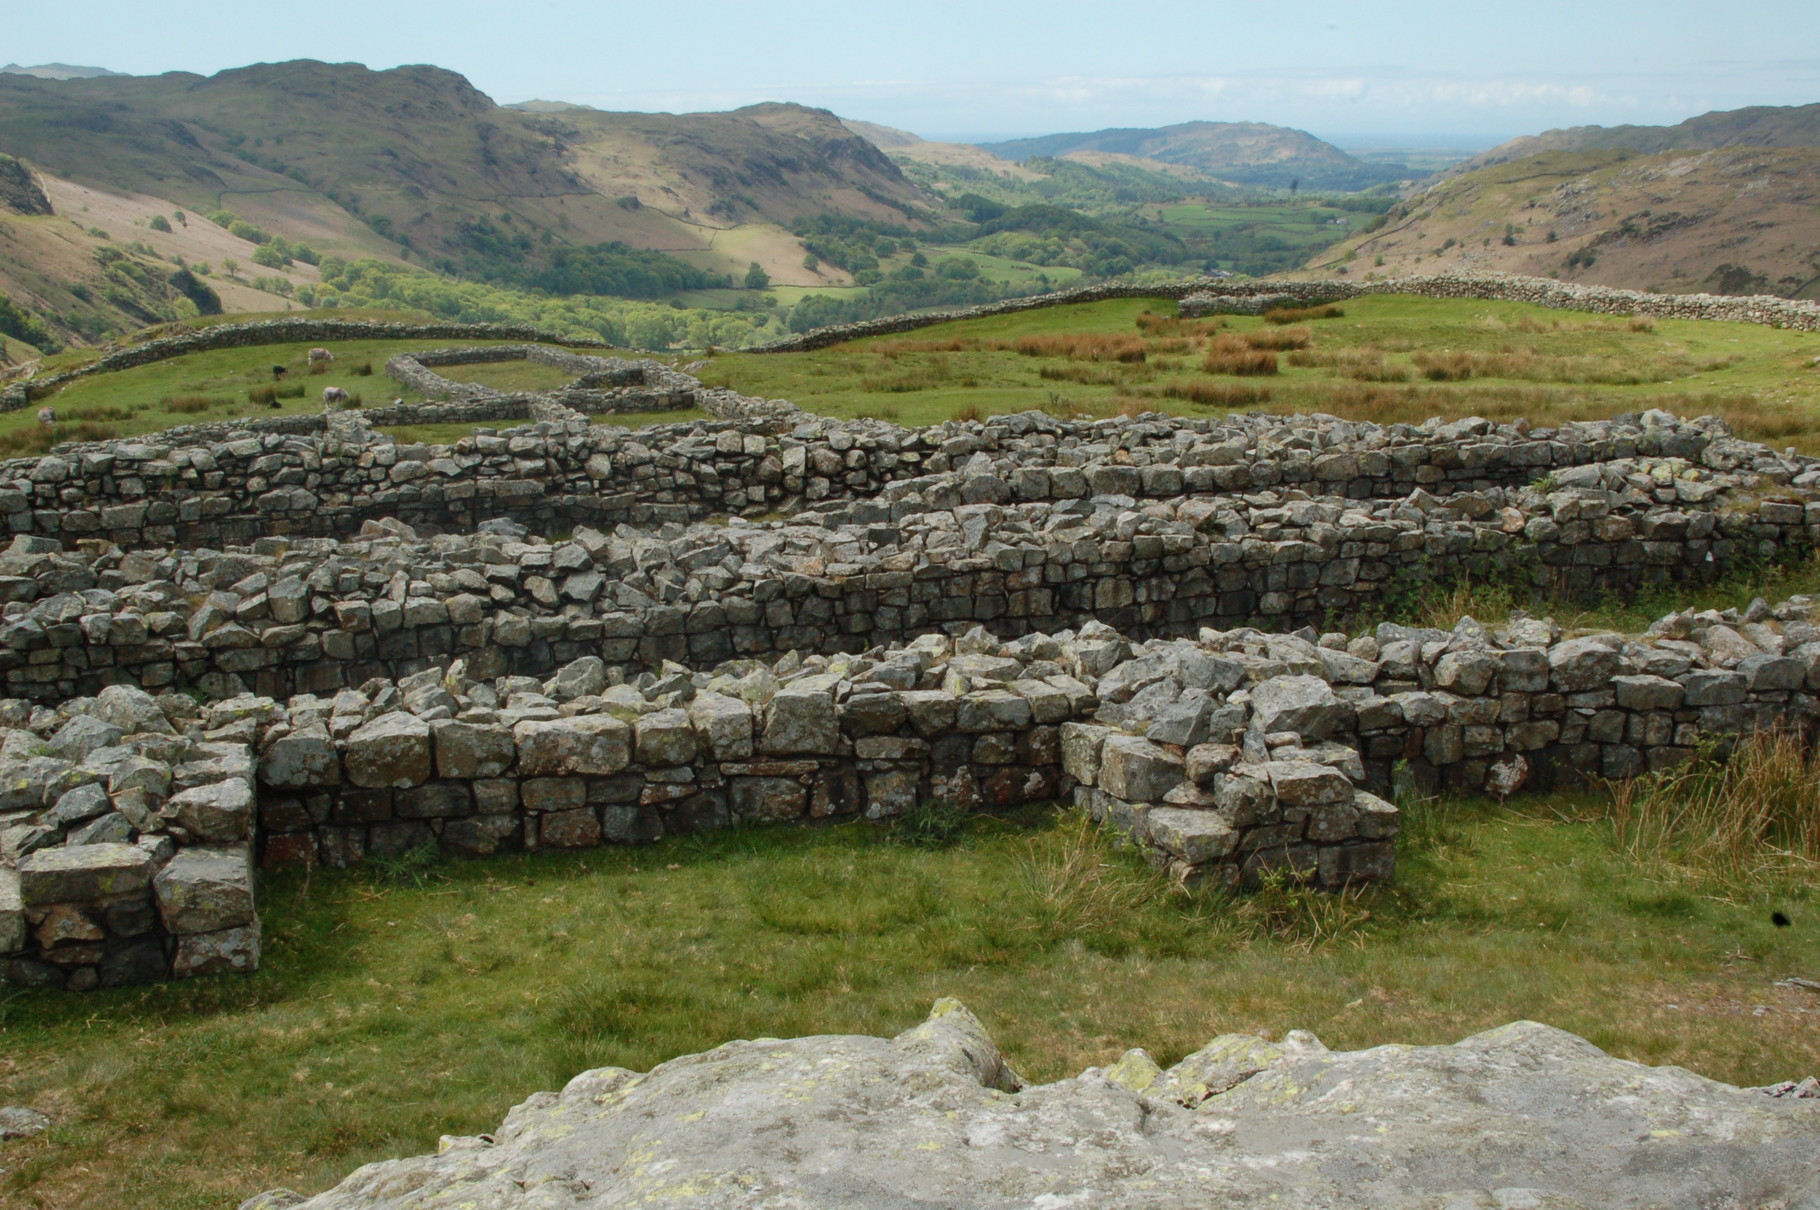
967	413
1296	315
1741	812
1278	339
189	405
1175	325
1076	885
930	825
1235	356
897	348
1215	394
1082	346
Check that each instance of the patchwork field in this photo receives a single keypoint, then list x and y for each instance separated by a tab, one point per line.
1382	358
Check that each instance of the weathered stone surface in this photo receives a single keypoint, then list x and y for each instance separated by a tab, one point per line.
82	735
1303	704
79	874
130	709
1197	837
1581	664
1136	770
230	951
1302	783
802	721
206	890
305	757
18	1122
1648	692
724	725
471	750
596	744
1520	1116
765	799
220	813
1082	744
12	912
392	750
665	737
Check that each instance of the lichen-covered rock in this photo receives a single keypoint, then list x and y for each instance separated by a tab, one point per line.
1304	704
1137	770
802	722
1520	1116
470	750
305	757
219	813
12	912
81	873
393	750
230	951
205	890
596	744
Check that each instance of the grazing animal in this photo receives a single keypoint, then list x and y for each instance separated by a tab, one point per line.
272	402
47	416
334	395
321	355
279	371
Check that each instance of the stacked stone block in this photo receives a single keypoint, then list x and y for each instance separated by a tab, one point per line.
126	847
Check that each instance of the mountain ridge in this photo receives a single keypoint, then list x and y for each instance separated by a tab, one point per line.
1253	153
1751	126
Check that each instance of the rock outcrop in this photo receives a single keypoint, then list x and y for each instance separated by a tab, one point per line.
1521	1116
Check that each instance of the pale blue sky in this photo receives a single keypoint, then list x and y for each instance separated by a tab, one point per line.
943	68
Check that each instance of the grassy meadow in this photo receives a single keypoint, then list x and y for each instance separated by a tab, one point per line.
220	384
1384	358
404	1000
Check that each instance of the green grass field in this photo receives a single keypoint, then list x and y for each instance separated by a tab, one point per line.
510	375
398	1003
1388	358
1379	361
216	385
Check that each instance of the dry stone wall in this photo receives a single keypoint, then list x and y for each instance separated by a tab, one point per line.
1207	296
130	823
270	331
1158	527
126	844
1157	618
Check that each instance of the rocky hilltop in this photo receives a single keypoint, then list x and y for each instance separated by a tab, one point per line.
1521	1116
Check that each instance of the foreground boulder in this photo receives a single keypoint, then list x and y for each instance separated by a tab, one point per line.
1523	1116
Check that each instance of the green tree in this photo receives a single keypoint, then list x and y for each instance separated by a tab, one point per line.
159	223
812	262
756	277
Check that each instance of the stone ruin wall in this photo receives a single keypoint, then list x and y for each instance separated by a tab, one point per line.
1201	296
16	395
1127	613
1025	524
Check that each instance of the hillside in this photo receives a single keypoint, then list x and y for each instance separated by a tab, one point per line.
1756	126
1251	153
415	164
903	146
1730	221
